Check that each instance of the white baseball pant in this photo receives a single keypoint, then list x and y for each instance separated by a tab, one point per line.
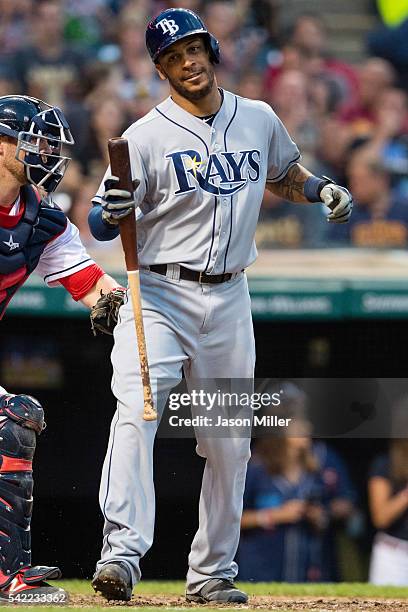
206	330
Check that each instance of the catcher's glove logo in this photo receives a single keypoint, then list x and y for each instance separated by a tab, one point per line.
104	314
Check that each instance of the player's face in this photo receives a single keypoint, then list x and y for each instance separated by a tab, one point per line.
12	165
46	150
186	65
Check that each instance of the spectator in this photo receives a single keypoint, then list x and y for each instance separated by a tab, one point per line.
389	40
332	148
390	139
137	82
291	102
48	68
138	9
251	86
388	502
375	76
284	516
106	120
101	81
379	218
240	45
86	22
14	24
341	498
7	83
308	36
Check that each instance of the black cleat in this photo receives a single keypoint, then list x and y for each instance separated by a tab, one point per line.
218	590
113	581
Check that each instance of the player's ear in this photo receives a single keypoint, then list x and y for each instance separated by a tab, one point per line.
160	72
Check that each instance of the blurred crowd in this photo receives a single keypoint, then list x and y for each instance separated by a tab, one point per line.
350	121
304	520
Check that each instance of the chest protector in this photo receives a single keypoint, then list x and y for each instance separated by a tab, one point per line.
22	246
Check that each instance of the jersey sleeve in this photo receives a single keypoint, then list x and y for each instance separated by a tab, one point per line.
283	152
63	256
3	391
138	172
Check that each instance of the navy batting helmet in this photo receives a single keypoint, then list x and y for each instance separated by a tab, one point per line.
174	24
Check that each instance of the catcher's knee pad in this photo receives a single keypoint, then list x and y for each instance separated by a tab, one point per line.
21	417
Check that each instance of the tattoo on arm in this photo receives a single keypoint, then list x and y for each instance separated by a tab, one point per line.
291	187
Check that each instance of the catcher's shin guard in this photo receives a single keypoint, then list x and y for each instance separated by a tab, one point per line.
21	418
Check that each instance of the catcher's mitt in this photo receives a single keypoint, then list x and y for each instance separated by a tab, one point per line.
104	314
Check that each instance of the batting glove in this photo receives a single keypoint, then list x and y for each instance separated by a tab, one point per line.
340	202
117	203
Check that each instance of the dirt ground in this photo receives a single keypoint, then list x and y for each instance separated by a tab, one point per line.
260	602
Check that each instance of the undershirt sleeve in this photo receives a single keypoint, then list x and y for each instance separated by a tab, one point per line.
80	283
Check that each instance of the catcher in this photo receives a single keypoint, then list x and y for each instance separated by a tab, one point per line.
35	235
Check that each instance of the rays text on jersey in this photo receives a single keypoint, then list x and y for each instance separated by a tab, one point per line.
223	174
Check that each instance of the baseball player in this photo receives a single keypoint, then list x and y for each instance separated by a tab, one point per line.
35	235
202	159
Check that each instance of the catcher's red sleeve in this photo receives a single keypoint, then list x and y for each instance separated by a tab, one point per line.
80	283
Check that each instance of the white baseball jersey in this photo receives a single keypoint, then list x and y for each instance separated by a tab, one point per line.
201	186
63	256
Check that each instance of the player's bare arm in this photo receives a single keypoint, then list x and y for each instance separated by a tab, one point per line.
292	186
301	186
104	285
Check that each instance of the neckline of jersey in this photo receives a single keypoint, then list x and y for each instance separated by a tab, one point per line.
200	119
174	113
210	118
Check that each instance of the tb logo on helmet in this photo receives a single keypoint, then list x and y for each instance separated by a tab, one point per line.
168	26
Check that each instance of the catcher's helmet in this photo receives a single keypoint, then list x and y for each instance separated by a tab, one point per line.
40	131
174	24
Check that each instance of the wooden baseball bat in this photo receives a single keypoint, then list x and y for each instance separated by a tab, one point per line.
120	167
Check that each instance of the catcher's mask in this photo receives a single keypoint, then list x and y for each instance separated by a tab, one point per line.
41	130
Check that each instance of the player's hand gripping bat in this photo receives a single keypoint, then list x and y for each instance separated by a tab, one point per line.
120	167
